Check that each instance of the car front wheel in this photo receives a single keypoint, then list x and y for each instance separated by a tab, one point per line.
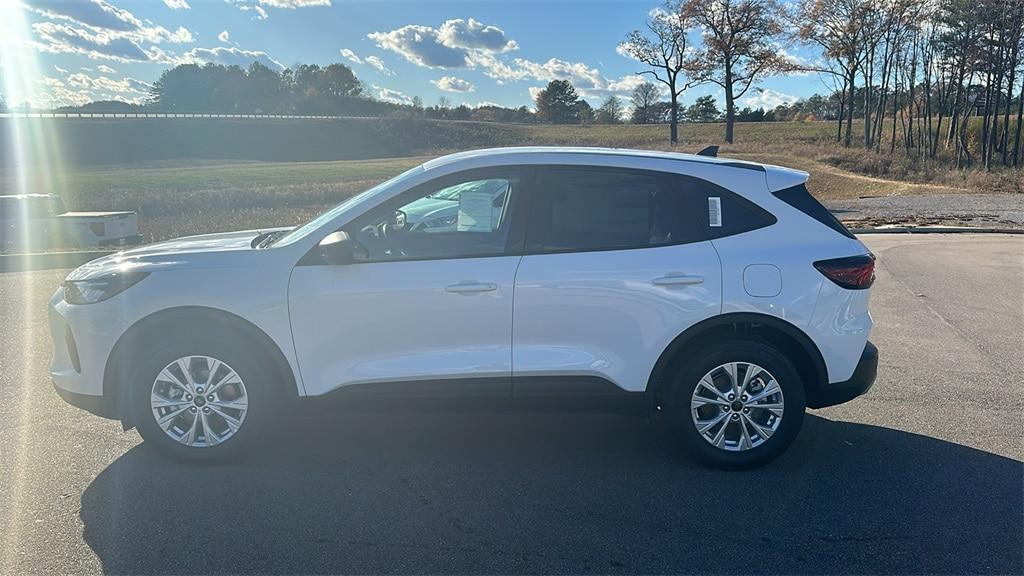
739	405
201	401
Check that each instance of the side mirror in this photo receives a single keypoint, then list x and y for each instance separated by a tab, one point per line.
337	248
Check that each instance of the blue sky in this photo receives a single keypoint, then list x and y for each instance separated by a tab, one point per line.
72	51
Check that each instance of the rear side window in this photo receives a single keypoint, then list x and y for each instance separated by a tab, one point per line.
798	197
591	208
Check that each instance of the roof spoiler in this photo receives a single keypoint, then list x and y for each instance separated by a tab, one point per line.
711	151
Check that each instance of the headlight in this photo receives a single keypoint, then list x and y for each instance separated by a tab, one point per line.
100	288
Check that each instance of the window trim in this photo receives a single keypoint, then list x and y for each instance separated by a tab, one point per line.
518	204
532	246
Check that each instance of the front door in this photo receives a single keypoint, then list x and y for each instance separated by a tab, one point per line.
427	306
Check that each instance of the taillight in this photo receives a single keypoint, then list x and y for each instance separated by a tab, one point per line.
98	228
852	273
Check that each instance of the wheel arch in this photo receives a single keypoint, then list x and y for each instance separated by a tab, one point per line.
801	350
214	319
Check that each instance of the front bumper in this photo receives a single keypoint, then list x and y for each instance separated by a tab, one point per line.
81	342
861	381
98	405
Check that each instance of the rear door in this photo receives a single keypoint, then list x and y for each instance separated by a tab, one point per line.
617	265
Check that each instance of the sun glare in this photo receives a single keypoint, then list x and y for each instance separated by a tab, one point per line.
30	160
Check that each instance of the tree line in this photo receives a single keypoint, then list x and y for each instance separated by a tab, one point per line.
939	79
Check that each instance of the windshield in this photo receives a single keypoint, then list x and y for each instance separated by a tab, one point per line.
329	215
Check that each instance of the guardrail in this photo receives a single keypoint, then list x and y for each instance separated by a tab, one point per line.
144	115
48	260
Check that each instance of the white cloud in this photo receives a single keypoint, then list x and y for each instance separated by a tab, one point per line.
420	45
452	45
473	35
374	61
224	36
587	80
177	4
99	30
62	38
97	17
453	84
59	69
768	99
393	96
94	13
379	65
293	4
232	56
106	84
80	88
803	66
106	69
351	56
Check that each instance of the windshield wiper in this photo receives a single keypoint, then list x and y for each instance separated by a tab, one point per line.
265	239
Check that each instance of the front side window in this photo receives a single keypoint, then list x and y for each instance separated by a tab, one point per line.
587	208
451	218
324	218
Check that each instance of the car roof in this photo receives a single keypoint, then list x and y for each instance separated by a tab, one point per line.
592	151
777	177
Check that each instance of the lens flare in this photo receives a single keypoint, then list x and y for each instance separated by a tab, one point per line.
30	162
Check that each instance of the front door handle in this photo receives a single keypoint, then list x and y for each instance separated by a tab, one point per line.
678	280
470	287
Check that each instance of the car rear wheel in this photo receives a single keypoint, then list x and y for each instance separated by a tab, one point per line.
739	405
203	400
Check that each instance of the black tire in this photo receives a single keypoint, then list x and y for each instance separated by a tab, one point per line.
238	353
682	429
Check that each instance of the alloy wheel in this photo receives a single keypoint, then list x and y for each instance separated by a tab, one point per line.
737	406
199	401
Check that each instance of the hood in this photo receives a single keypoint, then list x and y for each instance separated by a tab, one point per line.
189	250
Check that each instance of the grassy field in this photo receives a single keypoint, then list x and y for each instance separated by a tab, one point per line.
225	190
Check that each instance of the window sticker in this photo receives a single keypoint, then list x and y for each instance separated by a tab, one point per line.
474	212
715	211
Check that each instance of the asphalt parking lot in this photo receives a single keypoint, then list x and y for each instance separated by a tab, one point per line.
923	475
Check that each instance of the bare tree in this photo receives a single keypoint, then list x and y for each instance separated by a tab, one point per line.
664	51
738	46
610	111
837	28
644	101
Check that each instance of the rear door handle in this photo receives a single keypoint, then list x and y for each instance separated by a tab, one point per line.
470	287
678	280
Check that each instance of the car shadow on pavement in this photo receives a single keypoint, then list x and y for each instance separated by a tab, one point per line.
507	493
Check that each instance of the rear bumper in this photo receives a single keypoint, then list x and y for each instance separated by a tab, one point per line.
861	381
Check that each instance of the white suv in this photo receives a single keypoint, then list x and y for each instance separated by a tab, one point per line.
718	294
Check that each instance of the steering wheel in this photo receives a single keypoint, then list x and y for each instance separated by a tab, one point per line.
385	236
